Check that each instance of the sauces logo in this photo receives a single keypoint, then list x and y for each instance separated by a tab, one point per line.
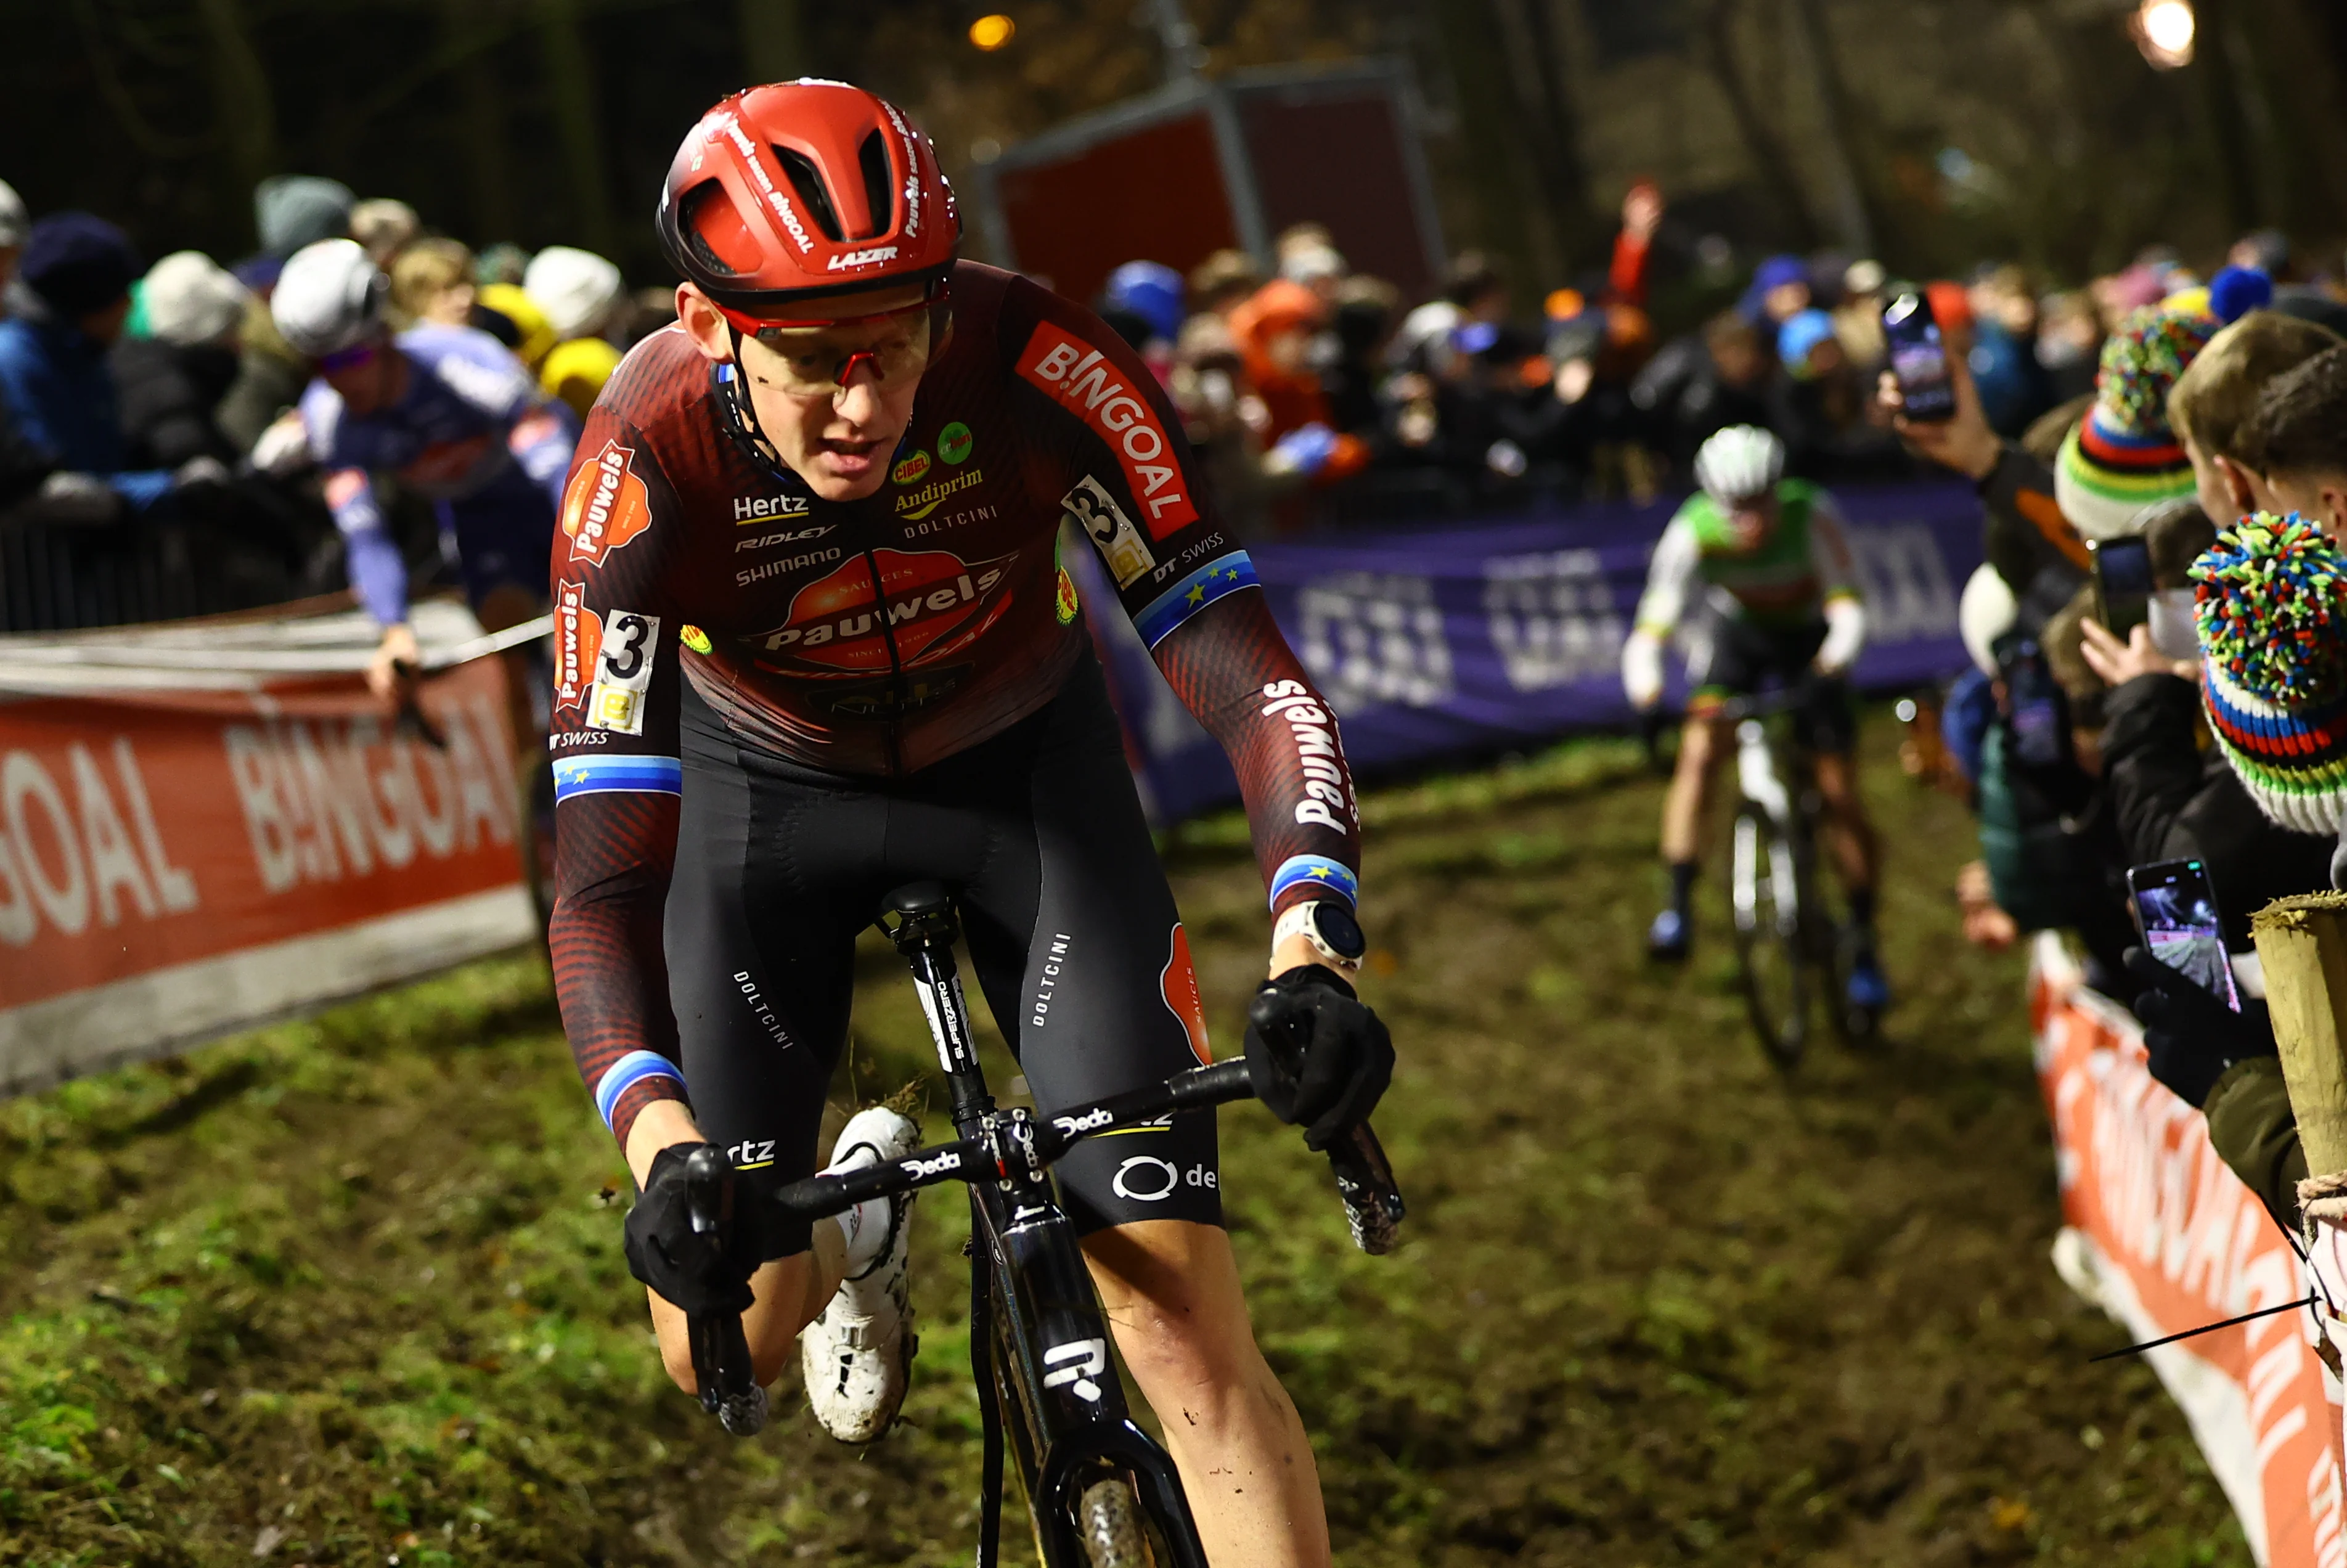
932	604
605	504
1089	385
954	442
910	470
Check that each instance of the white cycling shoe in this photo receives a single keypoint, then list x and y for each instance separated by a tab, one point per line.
857	1358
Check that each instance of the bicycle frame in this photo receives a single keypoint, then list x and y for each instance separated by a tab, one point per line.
1067	1407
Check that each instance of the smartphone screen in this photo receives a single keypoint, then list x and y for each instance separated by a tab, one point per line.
1917	358
2176	910
2122	583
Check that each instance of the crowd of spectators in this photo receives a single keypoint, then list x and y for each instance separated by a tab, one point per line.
145	404
1317	389
2206	728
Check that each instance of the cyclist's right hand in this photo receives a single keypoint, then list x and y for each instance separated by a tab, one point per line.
1315	1054
700	1274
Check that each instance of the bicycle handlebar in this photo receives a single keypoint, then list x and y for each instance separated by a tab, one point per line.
984	1160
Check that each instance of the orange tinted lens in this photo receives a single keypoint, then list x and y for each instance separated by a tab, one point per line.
811	361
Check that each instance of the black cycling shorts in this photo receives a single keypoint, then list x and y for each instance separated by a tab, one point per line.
1070	927
1734	657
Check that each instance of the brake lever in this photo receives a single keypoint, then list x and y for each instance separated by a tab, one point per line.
1365	1179
721	1368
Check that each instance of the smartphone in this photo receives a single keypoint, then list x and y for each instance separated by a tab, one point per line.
1919	359
2036	712
2123	586
2176	910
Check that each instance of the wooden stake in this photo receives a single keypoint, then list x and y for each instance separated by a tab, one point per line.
2302	946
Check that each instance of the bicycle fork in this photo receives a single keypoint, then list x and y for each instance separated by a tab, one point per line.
1068	1403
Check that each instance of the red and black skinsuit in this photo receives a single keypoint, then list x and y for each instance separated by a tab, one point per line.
882	690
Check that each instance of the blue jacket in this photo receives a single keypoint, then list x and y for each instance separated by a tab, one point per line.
60	393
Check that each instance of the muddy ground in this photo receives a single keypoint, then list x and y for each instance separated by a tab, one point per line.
350	1292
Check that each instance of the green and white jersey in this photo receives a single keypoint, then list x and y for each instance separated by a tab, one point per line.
1784	581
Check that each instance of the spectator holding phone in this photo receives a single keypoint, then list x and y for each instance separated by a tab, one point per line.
2272	597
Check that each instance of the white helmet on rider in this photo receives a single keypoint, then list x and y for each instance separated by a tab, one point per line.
330	297
1739	464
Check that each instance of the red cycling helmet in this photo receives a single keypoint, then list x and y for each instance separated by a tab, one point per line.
805	187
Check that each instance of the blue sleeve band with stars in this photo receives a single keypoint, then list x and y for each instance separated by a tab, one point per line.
596	774
1328	873
1177	604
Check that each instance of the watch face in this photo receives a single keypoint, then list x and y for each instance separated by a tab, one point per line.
1338	927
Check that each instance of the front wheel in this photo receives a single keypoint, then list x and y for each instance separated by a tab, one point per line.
1773	968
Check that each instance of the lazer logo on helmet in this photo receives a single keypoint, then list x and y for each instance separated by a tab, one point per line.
869	256
936	605
1084	379
605	504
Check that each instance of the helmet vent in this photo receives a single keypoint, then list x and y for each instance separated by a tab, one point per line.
879	189
807	180
693	212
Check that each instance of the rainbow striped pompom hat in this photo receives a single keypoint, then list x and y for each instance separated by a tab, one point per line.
2124	455
2272	612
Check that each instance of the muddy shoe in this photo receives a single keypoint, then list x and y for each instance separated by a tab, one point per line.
857	1358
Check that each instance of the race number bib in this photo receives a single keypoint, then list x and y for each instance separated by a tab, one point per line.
623	673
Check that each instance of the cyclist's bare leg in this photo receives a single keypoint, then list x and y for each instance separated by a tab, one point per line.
790	1293
1703	746
1171	1291
1849	832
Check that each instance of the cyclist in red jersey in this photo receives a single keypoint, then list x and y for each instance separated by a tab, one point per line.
813	641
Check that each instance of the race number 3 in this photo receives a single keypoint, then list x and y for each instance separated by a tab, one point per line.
624	672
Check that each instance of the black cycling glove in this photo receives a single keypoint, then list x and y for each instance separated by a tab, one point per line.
2192	1036
700	1274
1315	1054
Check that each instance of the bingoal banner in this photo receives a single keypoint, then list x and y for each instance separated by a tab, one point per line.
2162	1236
194	841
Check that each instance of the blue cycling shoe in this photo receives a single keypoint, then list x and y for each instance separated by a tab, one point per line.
1668	936
1868	991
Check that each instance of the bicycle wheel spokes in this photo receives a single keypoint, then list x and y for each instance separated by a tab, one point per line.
1770	963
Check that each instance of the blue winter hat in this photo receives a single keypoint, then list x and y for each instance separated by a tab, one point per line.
1800	333
1152	290
78	262
2235	291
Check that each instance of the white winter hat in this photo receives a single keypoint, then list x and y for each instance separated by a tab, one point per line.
192	298
1986	611
14	222
575	288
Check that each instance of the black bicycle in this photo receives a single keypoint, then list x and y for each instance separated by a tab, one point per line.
1790	949
1102	1492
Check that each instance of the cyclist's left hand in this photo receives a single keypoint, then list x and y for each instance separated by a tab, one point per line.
1315	1055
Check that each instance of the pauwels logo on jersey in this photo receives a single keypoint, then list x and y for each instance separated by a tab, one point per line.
1084	379
577	638
606	505
936	605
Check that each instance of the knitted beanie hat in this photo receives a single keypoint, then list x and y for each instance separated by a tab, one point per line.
2271	613
2122	456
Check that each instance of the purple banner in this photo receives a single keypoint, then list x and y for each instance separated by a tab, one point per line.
1456	638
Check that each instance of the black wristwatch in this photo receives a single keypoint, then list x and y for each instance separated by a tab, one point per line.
1329	926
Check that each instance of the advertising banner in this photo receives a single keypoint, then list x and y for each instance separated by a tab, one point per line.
2164	1237
1478	635
186	849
